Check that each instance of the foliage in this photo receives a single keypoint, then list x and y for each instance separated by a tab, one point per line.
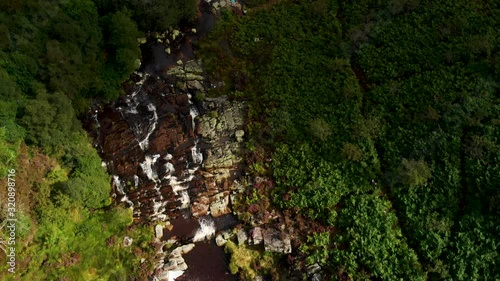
155	15
383	121
373	240
248	262
54	57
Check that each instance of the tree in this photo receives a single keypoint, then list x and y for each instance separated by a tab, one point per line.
319	129
50	122
352	152
414	173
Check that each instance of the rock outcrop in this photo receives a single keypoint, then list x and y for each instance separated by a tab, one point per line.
276	241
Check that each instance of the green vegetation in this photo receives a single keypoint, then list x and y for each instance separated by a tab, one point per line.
248	261
383	121
55	56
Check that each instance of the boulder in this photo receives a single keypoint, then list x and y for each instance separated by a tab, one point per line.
239	135
193	66
275	241
242	236
255	236
194	85
314	272
187	248
127	241
175	264
158	231
175	33
220	241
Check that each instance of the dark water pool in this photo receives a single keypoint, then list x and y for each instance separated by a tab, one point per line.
207	262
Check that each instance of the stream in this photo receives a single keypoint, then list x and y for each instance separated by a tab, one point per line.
149	142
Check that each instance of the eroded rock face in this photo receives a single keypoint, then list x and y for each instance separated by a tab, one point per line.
163	154
166	157
147	139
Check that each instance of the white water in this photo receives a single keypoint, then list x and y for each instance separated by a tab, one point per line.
196	154
145	142
169	167
194	113
206	231
158	207
136	181
148	168
174	274
119	187
185	200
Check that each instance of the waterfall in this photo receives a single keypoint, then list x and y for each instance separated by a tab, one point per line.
196	153
206	231
172	275
119	187
194	113
145	142
147	167
185	200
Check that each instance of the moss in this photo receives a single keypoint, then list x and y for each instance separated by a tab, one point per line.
247	261
213	114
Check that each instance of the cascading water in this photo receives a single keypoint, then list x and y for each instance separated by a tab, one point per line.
154	120
119	188
148	141
196	154
206	230
148	167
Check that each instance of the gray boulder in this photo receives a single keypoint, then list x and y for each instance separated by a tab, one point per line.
276	241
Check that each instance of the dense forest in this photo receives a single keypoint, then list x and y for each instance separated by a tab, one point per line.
55	57
382	120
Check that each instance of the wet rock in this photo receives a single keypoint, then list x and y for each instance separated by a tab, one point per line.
175	260
200	207
158	231
219	240
256	237
276	241
242	236
187	248
127	241
175	264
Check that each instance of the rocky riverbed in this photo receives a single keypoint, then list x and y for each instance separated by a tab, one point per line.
176	159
